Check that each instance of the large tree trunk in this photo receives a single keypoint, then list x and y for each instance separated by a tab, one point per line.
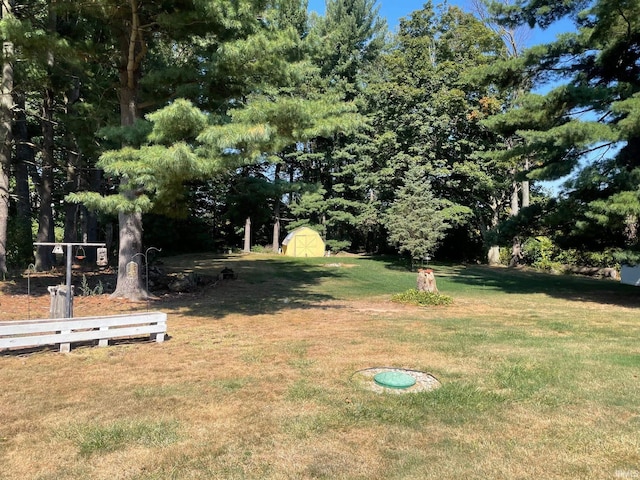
493	253
129	284
45	187
515	201
6	123
72	210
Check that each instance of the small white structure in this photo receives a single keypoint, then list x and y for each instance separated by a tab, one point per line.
630	275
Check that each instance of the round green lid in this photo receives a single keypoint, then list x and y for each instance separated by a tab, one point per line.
394	380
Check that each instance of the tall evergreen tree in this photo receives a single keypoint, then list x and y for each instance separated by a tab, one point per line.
416	220
429	112
134	29
593	109
351	37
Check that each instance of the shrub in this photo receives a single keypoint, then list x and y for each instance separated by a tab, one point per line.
261	249
87	291
415	297
338	245
505	255
540	253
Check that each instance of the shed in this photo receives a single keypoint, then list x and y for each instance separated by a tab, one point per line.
303	242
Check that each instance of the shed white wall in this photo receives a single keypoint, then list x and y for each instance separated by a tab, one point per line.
630	275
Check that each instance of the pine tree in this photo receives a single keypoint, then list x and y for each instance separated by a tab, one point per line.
428	112
141	34
592	109
416	219
352	35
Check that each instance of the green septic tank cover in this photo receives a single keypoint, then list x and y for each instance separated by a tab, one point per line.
394	380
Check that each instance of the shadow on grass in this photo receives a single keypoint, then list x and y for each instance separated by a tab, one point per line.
566	287
269	284
262	286
458	278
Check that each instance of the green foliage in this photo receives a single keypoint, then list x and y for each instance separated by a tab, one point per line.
575	257
591	107
178	122
20	242
337	245
153	177
426	112
539	252
424	299
416	220
87	291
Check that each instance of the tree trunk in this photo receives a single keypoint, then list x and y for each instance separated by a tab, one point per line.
515	204
493	254
45	187
526	190
516	252
129	284
71	210
24	157
6	124
276	213
72	184
276	231
247	235
426	281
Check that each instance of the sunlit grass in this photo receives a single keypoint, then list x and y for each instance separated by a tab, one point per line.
96	439
538	373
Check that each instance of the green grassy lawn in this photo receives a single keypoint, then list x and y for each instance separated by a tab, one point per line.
539	379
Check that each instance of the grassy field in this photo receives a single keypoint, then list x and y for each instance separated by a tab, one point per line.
539	374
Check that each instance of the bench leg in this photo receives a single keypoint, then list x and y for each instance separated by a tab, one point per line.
158	337
103	342
65	347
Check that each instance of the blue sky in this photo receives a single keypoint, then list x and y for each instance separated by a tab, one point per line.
394	10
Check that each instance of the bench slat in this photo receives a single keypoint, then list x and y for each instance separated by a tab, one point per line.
71	337
56	324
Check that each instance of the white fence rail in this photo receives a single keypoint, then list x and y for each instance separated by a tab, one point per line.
50	331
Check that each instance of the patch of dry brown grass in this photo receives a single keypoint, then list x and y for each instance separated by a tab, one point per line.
268	393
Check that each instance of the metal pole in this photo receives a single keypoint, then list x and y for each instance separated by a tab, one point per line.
69	262
30	268
145	256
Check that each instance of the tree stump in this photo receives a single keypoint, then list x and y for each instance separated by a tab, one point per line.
426	281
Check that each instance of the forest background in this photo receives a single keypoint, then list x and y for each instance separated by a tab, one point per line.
198	121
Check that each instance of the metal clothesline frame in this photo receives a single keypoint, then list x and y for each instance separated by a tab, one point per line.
69	246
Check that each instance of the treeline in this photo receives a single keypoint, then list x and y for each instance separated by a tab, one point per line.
188	120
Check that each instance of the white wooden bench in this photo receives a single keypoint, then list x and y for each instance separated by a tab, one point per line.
65	331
